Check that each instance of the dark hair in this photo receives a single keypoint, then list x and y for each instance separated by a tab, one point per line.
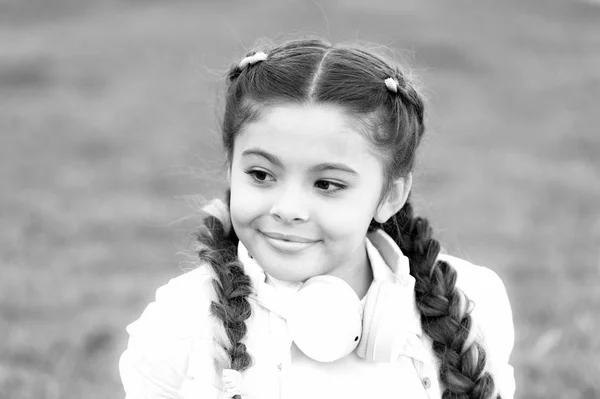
314	71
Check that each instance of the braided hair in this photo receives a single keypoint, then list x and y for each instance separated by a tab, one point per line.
217	249
444	308
392	114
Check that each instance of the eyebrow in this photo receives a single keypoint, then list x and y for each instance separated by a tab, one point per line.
317	168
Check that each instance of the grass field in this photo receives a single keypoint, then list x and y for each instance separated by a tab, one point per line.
108	113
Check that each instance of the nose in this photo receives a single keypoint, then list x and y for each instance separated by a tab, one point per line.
290	206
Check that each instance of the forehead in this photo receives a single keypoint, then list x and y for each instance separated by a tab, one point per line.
307	134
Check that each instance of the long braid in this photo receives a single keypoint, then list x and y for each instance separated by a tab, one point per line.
445	310
232	286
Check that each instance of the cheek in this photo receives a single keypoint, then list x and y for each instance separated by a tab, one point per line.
245	203
349	217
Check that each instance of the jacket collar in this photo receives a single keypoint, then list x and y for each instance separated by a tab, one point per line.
389	263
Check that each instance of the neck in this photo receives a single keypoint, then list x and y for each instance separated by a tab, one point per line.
357	272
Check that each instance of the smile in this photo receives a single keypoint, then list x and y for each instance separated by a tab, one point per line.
286	237
287	243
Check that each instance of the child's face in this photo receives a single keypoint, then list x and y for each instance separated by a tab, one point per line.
288	177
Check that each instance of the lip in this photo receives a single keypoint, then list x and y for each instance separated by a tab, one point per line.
286	247
288	237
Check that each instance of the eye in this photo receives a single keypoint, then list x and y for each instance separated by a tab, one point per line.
259	176
326	185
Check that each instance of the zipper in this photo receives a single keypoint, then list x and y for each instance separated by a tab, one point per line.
280	372
273	330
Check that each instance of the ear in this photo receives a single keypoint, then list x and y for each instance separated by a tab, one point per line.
395	199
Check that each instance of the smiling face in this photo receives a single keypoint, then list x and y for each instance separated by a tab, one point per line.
304	188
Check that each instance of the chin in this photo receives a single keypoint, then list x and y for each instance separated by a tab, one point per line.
287	269
284	270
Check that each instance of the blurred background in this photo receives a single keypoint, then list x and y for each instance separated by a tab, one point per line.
108	119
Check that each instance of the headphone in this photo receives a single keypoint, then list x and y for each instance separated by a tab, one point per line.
327	321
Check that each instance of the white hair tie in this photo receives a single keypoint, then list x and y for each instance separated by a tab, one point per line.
392	84
252	59
219	210
232	381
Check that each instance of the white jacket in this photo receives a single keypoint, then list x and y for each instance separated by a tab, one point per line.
169	354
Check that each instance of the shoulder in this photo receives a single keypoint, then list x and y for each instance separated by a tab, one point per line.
481	284
180	307
491	306
478	282
162	339
492	316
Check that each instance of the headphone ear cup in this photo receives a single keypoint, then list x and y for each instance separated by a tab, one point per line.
384	323
324	319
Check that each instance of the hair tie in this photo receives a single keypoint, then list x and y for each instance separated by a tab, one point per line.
392	84
252	59
219	210
232	381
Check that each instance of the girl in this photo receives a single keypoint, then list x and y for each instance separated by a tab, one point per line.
316	280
